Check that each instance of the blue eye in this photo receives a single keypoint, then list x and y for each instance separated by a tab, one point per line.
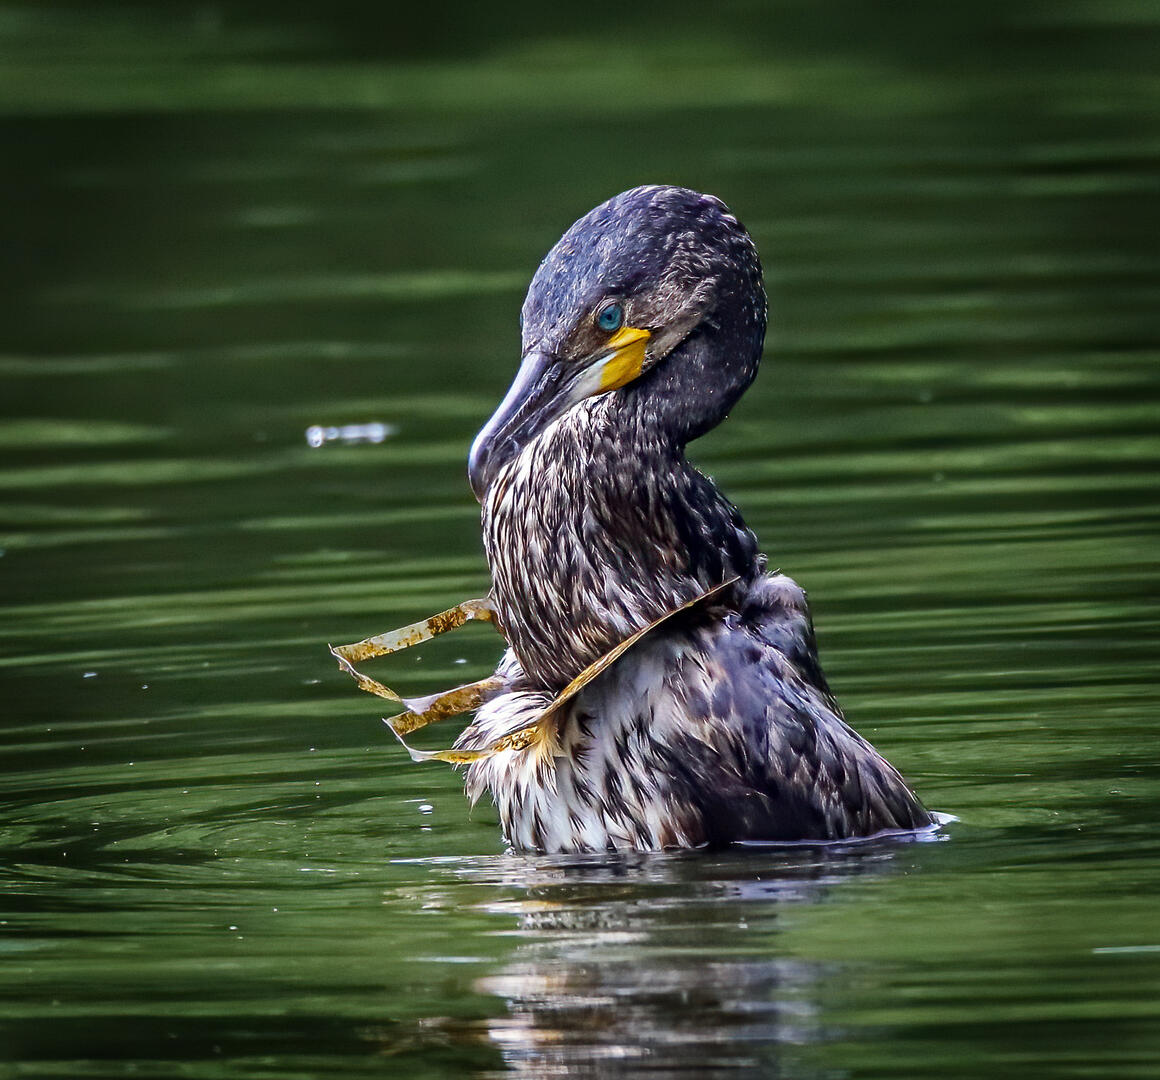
611	317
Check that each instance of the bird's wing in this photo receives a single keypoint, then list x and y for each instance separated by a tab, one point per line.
762	739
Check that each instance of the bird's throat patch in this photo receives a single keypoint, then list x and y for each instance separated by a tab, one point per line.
627	361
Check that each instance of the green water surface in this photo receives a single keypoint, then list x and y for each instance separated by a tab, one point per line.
224	223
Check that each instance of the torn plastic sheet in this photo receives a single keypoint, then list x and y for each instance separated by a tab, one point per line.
421	711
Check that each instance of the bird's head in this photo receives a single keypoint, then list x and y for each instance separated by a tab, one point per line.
621	303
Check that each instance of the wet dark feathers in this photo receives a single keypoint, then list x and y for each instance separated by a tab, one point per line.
719	726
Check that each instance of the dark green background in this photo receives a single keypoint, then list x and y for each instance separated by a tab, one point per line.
222	223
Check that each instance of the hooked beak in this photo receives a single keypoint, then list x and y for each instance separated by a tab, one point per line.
545	387
535	391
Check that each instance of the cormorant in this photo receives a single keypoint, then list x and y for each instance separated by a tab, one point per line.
642	327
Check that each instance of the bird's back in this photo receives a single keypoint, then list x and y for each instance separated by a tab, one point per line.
718	728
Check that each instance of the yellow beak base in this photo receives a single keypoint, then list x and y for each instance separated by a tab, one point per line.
626	363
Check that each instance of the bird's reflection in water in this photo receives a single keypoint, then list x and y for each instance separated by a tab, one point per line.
664	965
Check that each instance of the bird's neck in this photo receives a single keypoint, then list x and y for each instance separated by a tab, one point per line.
597	528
